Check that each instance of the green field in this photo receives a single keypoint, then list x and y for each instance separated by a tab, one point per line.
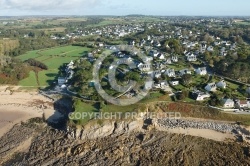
30	54
30	81
81	108
195	110
53	58
243	23
112	21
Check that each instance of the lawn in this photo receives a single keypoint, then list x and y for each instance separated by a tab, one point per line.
29	81
53	58
115	108
179	66
55	62
199	80
81	108
231	87
155	96
47	77
28	55
63	50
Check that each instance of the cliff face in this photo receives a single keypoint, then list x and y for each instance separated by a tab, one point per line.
94	131
126	143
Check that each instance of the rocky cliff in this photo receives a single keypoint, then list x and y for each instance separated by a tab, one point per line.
126	143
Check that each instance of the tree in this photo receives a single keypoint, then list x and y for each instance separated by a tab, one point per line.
174	44
211	62
133	76
186	79
207	56
242	55
225	34
33	62
180	96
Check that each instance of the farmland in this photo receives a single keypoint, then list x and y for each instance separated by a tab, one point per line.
53	58
243	22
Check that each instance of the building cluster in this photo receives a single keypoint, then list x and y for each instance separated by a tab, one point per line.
69	74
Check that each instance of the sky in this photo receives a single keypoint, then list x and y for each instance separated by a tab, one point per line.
125	7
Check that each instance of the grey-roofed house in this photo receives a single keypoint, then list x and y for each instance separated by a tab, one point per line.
228	103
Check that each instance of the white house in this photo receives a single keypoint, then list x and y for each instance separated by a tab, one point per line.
211	87
168	61
201	71
174	58
200	96
228	103
161	56
133	42
185	71
149	37
243	103
70	74
61	81
161	85
158	44
148	85
170	72
157	74
191	58
144	67
210	49
223	42
216	43
223	51
174	83
203	47
221	84
147	59
228	44
70	65
188	53
153	53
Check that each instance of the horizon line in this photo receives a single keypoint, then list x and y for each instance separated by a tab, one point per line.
74	15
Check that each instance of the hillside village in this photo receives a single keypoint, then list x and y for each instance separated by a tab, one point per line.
180	60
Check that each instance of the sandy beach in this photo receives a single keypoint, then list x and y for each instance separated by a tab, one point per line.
17	106
204	133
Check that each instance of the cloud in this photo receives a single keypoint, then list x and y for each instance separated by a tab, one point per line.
46	4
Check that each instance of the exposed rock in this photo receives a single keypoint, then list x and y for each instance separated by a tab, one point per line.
133	148
108	128
126	143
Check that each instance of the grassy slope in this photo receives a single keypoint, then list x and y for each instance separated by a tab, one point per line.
81	107
53	58
30	81
186	110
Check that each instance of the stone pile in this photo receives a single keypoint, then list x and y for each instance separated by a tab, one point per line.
180	123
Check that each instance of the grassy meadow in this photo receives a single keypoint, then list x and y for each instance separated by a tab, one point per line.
53	58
